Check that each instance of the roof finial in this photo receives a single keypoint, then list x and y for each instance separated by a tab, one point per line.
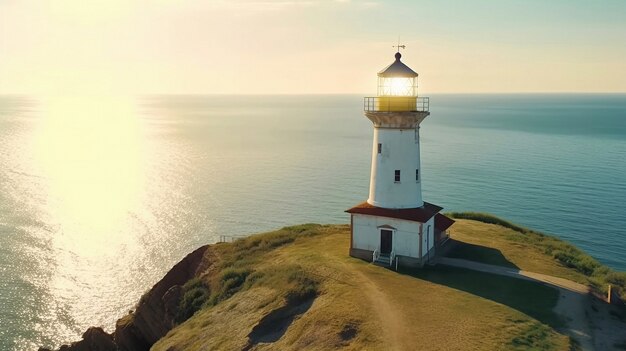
398	54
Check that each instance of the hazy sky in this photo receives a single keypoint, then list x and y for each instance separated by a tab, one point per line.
317	46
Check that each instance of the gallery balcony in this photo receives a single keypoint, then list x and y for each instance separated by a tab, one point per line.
396	104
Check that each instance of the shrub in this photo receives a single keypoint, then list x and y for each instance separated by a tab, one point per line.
577	260
302	285
616	278
231	281
253	278
296	283
195	295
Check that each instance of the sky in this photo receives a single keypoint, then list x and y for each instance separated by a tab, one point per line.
302	47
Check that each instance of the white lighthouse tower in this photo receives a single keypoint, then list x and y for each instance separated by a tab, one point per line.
395	226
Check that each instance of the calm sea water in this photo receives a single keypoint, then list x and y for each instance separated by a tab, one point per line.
100	196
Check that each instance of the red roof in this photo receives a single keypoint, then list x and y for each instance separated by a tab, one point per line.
442	222
418	214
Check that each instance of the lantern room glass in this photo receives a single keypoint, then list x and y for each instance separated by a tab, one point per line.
397	86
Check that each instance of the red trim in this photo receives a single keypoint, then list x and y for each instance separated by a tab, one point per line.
442	222
419	214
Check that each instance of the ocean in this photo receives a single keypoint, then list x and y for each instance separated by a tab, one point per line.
100	196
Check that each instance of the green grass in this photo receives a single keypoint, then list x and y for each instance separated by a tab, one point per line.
535	336
195	294
488	218
596	275
480	253
236	271
530	298
292	280
246	251
230	282
298	284
534	300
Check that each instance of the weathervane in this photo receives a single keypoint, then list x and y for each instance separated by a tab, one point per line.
399	46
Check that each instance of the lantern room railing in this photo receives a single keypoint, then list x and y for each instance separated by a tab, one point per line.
396	104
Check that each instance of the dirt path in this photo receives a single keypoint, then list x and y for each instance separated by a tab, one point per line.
573	301
388	314
515	273
573	306
395	331
609	326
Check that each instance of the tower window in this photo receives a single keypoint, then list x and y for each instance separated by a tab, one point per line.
417	175
380	148
397	175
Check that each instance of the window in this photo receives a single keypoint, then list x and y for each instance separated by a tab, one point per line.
380	148
397	175
417	175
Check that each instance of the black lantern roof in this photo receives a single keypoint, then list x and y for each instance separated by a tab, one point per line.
397	69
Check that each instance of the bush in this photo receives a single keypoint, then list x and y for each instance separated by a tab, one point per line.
231	281
616	278
577	260
303	286
195	295
253	279
296	283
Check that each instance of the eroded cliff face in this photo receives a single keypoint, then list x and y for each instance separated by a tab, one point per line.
155	312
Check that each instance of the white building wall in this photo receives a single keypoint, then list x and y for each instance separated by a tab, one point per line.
428	237
400	151
366	234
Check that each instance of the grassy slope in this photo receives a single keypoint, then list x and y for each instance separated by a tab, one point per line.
486	238
493	244
356	305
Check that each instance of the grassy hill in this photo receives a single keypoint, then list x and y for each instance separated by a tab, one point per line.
297	288
489	239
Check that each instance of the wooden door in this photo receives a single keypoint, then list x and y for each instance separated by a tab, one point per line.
386	238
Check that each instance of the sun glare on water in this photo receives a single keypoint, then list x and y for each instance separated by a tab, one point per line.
89	149
91	156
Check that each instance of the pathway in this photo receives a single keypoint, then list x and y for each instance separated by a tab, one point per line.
515	273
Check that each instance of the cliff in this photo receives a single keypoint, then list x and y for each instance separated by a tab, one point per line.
155	312
297	288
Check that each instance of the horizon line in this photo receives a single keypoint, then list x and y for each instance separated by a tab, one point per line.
309	94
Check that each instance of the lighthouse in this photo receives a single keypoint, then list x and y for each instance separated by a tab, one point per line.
395	226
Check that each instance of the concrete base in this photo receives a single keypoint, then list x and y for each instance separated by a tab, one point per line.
365	255
403	261
410	262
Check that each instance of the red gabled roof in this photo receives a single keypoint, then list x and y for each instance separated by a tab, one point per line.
418	214
442	222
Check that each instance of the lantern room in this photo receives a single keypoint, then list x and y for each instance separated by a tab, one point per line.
397	80
397	90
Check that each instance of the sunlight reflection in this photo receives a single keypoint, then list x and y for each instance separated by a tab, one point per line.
90	152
